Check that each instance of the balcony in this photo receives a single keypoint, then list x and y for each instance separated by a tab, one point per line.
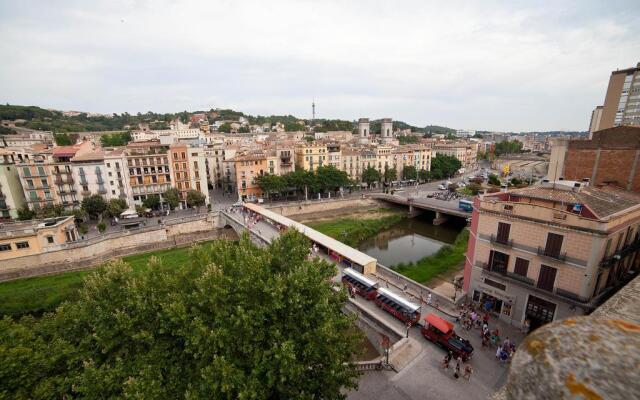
102	190
620	254
69	180
503	272
558	257
501	242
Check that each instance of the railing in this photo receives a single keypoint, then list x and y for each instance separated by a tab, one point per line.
620	254
499	241
570	295
543	253
504	272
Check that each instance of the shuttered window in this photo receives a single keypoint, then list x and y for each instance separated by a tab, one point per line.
554	245
547	277
521	267
503	232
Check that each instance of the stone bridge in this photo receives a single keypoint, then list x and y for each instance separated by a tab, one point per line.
442	208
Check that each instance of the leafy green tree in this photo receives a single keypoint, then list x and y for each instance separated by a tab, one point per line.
329	178
101	226
508	147
299	179
24	213
195	198
115	207
443	166
225	128
244	129
409	172
473	188
236	322
408	139
94	205
152	201
116	139
65	139
50	211
271	184
390	174
424	175
494	180
294	127
371	175
172	197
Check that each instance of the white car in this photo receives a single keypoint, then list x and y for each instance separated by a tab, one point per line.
441	187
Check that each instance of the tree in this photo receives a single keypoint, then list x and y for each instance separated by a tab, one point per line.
152	201
50	211
94	205
424	175
409	172
237	321
101	226
172	197
299	179
271	184
244	129
494	180
508	147
371	175
329	178
115	207
477	135
408	139
473	188
390	174
225	128
195	198
443	166
293	127
24	213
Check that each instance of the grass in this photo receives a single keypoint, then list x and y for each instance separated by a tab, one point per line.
41	294
352	231
448	257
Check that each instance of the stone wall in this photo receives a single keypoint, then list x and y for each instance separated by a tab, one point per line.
321	206
95	251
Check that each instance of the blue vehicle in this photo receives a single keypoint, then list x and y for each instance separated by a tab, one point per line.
465	205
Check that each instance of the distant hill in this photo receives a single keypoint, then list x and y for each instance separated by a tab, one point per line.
56	121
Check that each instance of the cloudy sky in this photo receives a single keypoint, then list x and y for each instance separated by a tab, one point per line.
481	65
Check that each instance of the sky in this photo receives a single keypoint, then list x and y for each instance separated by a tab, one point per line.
490	65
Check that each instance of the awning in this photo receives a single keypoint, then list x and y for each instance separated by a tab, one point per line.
439	323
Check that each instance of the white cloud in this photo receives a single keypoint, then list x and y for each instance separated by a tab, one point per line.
484	65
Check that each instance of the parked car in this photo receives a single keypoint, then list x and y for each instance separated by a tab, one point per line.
440	332
442	187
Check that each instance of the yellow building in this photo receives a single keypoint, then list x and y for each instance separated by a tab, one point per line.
27	238
310	156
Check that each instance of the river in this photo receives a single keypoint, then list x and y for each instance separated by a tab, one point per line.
410	240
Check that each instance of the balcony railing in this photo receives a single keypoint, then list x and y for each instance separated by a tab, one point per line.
502	242
543	253
504	272
570	295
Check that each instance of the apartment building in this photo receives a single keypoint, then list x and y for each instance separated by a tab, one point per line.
148	169
118	182
611	157
89	173
11	193
351	163
24	238
466	153
622	101
548	252
251	164
189	171
310	156
334	156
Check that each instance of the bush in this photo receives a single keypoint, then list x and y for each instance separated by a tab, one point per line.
83	228
494	180
101	226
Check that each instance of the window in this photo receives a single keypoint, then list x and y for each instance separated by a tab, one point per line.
22	245
108	165
5	247
547	277
498	261
41	171
554	245
521	267
503	232
49	239
175	156
495	284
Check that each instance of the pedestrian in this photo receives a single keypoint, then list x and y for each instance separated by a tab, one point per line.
456	372
404	289
506	344
429	299
525	326
445	362
468	370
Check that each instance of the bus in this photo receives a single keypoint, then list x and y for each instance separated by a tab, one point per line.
399	307
465	205
362	285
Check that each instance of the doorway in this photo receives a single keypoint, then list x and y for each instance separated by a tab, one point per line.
539	312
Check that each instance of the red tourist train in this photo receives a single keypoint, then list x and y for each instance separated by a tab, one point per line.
362	285
396	305
441	332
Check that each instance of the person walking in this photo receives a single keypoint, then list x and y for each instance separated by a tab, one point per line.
456	372
468	370
429	299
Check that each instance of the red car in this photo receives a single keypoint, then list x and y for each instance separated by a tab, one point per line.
441	333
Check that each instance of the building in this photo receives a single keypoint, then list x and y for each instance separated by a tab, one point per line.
11	193
117	178
622	101
364	131
386	130
465	133
310	156
466	153
189	171
611	157
25	238
547	252
149	170
252	164
596	119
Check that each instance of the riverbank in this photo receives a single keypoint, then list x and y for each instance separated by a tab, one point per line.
355	229
43	294
444	260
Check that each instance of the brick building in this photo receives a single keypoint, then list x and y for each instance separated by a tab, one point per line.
611	157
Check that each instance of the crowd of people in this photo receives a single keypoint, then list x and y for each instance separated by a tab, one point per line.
458	368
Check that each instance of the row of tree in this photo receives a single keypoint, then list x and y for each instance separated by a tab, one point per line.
323	179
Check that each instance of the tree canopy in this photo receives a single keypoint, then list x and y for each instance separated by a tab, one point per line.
195	198
443	166
390	174
371	175
225	128
408	139
409	172
172	197
508	147
115	207
116	139
236	322
94	205
152	201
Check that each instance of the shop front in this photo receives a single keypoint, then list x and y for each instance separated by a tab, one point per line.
494	299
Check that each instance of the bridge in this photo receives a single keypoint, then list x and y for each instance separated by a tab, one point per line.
442	208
